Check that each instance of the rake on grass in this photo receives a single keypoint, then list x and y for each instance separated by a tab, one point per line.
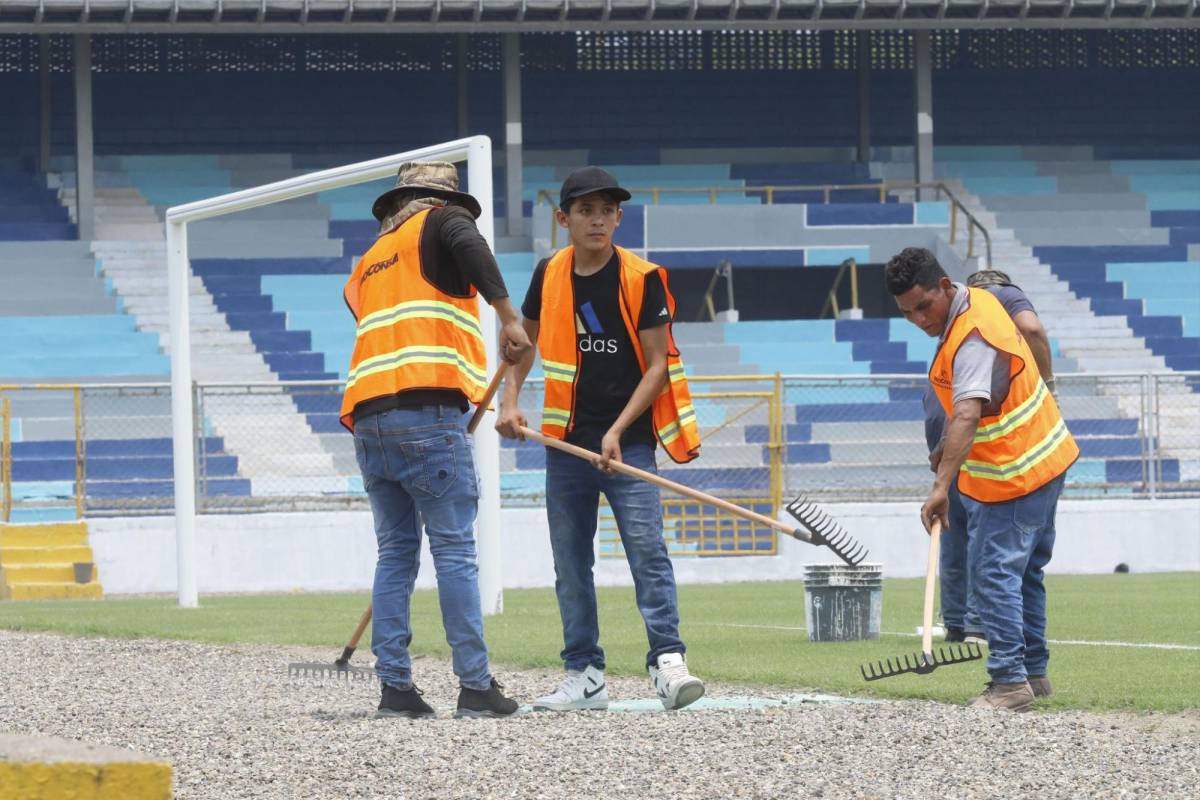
829	533
927	660
341	669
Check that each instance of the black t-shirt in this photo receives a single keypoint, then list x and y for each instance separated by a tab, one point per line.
608	367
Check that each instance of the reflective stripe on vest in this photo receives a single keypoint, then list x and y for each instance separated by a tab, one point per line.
410	334
1024	445
674	418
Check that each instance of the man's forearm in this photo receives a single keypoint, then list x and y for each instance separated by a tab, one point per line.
505	311
516	379
1040	347
643	396
960	436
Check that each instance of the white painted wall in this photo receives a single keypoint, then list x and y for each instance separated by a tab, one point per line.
336	551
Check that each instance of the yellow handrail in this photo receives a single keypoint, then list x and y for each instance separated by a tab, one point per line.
6	459
76	390
80	459
831	300
776	444
884	188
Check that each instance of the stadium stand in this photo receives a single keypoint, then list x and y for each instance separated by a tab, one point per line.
262	310
1104	236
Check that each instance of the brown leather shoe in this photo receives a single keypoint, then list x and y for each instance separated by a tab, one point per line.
1016	697
1040	685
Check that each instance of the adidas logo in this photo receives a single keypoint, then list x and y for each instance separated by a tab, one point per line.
664	313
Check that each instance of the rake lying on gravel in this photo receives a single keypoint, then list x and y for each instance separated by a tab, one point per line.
927	661
818	528
341	669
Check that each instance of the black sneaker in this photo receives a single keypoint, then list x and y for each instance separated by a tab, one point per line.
404	703
954	634
489	702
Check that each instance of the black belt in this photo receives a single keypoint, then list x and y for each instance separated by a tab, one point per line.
413	398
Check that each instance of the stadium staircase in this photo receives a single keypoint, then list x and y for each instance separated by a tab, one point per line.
47	561
1109	248
136	265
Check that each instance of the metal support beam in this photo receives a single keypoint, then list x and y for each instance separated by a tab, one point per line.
85	179
864	95
45	104
923	101
513	162
462	45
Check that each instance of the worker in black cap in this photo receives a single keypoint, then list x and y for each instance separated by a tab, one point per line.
614	385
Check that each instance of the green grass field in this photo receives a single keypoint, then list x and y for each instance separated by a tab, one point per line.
750	633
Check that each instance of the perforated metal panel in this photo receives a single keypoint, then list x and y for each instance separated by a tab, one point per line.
617	51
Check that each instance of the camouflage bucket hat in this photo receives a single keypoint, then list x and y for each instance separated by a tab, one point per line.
432	179
988	277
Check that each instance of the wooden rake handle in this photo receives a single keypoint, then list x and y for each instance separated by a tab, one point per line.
482	408
935	535
352	645
649	477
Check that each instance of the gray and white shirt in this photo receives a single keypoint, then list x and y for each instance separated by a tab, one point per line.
979	369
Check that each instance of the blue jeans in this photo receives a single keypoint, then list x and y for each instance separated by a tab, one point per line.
417	466
958	607
1010	545
573	488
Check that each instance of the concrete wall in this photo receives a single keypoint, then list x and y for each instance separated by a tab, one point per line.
717	227
336	551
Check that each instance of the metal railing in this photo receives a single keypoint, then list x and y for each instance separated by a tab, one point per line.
766	438
6	459
831	302
77	499
883	188
723	270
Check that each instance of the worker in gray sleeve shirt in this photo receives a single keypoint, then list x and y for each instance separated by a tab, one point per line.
958	606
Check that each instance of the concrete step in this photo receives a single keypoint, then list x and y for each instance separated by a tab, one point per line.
159	321
68	554
16	574
1096	218
52	591
51	250
136	231
66	534
1093	236
1119	363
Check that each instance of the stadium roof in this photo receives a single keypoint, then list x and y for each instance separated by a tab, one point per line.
480	16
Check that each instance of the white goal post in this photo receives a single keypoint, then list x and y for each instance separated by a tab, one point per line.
477	152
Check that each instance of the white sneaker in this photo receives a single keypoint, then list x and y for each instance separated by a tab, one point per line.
675	686
579	691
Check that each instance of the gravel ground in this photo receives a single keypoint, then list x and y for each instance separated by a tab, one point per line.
231	724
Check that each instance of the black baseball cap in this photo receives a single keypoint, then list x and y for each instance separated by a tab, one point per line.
588	180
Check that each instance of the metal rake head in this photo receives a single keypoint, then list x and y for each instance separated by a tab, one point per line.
330	673
825	530
923	663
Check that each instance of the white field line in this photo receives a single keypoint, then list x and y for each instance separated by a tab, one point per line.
1083	642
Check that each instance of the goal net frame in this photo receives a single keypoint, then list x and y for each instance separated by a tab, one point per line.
477	152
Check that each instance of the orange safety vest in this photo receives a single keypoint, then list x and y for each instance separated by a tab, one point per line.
411	335
672	411
1026	444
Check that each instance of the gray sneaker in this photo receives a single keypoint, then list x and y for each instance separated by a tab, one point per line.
1016	697
1040	685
